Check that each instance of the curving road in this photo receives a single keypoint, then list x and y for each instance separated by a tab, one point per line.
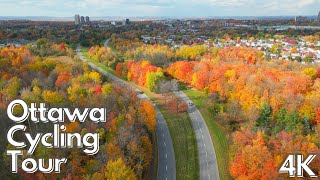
166	158
206	153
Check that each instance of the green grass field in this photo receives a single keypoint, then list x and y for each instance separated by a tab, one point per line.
84	51
184	142
217	132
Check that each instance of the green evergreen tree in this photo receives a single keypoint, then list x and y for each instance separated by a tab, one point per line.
264	121
280	118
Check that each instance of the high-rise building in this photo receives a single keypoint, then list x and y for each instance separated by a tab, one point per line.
87	19
77	19
319	16
301	19
82	20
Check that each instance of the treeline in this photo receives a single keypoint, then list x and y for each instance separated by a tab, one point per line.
43	47
103	55
64	81
58	32
142	73
125	42
163	56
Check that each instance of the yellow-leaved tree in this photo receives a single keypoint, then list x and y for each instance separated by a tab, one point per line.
116	170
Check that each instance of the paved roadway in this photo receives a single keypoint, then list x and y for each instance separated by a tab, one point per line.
166	158
106	43
207	155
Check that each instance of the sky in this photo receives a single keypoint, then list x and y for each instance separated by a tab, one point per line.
170	8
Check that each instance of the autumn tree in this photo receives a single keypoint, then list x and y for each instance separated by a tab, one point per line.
52	97
150	113
11	89
62	80
142	73
254	161
118	170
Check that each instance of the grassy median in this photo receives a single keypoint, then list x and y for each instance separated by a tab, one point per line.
184	142
218	133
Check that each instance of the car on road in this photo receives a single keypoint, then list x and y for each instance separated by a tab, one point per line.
190	103
139	92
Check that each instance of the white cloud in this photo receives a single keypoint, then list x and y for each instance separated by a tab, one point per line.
158	7
291	7
225	3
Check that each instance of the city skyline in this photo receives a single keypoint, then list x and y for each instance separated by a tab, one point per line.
187	8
